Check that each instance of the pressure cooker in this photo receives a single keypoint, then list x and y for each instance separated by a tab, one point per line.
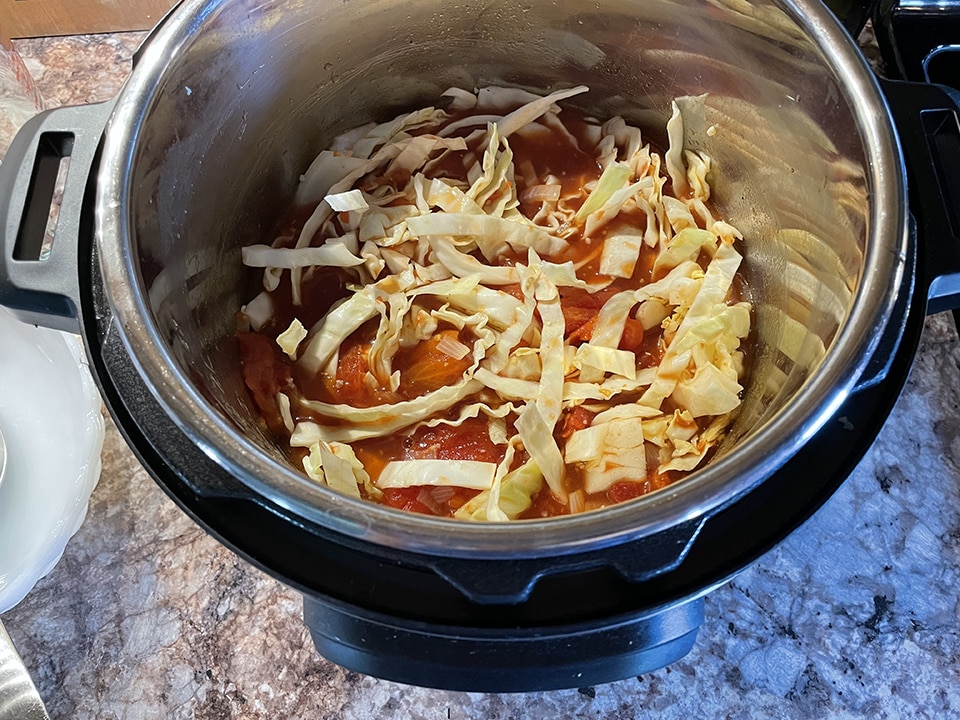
845	187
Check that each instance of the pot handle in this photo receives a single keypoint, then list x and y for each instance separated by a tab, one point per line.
489	582
39	284
927	117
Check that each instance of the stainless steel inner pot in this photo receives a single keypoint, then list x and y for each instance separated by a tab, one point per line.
232	99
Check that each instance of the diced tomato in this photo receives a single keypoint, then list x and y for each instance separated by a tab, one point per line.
575	297
352	367
350	386
405	499
632	337
579	323
575	419
580	312
580	309
649	352
264	373
425	368
457	501
623	491
375	453
409	499
470	441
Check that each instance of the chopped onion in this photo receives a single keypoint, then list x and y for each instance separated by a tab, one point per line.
576	502
426	497
539	193
442	494
452	347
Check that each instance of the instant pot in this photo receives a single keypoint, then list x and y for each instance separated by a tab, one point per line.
845	187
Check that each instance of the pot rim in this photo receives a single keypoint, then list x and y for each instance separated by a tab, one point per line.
706	491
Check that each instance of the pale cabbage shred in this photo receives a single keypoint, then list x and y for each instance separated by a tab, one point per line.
407	235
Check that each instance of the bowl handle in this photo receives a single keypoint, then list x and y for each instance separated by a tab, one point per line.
38	283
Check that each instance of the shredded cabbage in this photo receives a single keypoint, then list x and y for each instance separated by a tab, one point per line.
493	235
597	359
517	490
458	473
534	109
290	338
381	420
611	180
674	154
610	452
620	255
537	437
337	466
684	246
550	391
523	303
286	414
332	254
337	326
259	310
347	201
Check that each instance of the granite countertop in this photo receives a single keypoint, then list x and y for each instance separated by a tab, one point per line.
854	616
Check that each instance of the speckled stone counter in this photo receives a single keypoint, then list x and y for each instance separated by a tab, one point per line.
854	616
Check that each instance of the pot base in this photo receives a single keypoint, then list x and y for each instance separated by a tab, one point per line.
527	659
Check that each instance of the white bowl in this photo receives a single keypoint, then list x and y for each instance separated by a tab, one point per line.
50	414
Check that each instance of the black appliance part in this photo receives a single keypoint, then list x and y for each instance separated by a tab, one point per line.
919	41
395	614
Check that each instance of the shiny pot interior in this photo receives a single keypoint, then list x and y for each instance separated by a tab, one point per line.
232	99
